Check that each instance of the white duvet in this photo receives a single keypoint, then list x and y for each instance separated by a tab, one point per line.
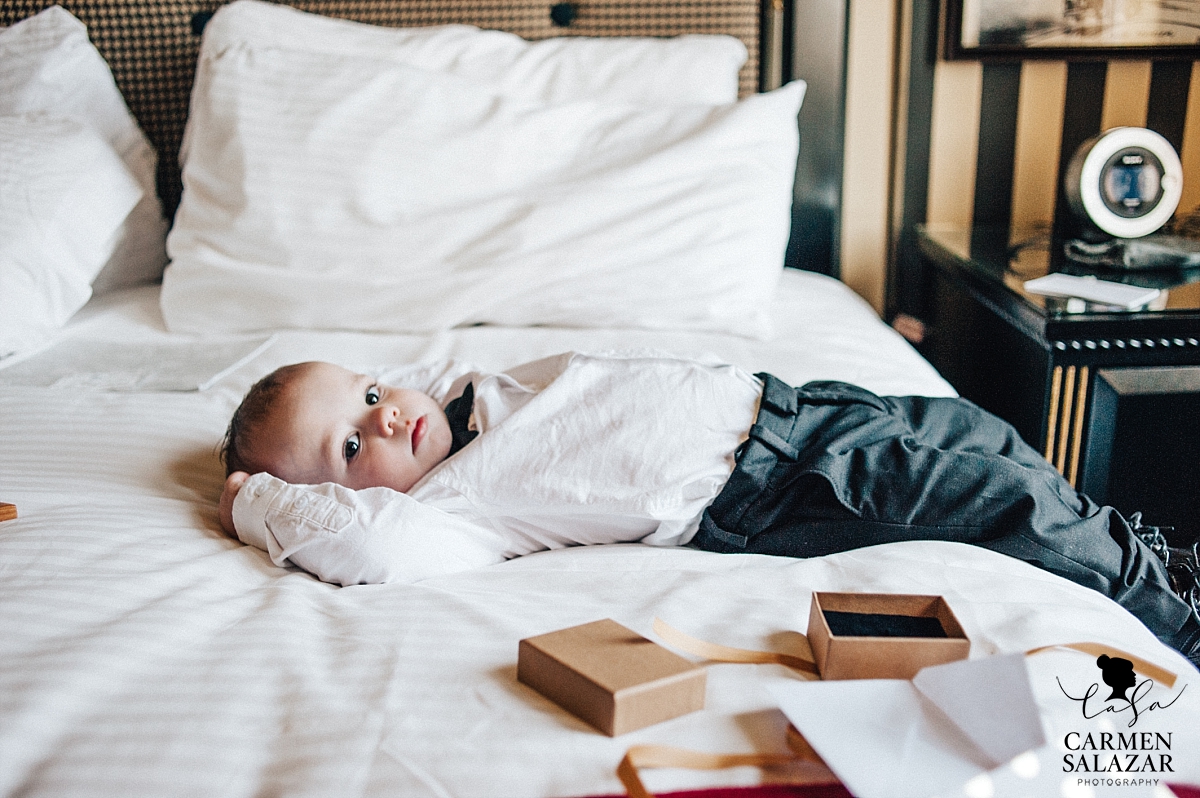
144	653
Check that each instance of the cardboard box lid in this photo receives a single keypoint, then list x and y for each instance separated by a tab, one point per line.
610	655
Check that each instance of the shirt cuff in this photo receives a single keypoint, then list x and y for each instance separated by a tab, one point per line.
250	509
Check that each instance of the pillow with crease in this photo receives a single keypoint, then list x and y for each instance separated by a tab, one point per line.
374	195
64	198
49	67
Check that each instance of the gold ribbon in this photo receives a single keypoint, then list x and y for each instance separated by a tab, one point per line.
1147	669
717	653
665	756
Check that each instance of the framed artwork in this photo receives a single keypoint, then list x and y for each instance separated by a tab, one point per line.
1073	29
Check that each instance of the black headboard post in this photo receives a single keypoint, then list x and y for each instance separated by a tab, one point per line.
818	55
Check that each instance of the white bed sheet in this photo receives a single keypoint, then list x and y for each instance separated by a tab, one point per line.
144	653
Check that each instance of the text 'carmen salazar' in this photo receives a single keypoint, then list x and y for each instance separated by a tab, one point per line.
1113	752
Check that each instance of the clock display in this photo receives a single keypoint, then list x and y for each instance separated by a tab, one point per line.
1131	182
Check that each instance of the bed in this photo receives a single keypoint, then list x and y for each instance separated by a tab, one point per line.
143	652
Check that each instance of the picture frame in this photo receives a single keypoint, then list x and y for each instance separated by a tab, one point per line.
1072	29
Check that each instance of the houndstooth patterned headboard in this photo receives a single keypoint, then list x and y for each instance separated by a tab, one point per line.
152	45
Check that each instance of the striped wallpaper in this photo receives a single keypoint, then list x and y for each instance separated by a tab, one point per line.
984	143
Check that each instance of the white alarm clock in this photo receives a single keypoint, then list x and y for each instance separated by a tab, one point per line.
1127	181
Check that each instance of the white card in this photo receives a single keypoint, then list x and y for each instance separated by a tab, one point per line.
890	738
1102	292
955	688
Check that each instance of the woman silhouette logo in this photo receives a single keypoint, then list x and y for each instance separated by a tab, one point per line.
1118	674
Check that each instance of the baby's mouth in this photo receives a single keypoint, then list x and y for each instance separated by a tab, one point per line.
418	433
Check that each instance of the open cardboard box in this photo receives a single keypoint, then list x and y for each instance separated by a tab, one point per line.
610	676
894	645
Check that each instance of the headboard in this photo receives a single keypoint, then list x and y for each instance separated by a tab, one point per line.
152	45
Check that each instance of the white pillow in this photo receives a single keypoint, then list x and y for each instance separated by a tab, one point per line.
48	66
64	196
372	195
680	70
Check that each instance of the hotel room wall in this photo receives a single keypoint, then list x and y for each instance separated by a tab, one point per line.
985	143
871	45
1018	124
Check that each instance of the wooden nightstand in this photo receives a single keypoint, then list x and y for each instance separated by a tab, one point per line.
1111	398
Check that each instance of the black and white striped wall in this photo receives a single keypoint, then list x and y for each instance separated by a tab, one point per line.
985	143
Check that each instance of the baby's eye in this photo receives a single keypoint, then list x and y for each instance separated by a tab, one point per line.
351	446
373	395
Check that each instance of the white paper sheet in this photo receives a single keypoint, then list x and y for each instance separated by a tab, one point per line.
895	738
881	737
990	701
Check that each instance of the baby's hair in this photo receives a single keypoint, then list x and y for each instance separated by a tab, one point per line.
256	407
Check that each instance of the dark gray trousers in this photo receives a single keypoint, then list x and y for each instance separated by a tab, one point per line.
831	467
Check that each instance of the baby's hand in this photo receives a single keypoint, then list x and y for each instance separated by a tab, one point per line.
232	485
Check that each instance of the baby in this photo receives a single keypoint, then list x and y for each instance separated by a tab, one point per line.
292	425
357	481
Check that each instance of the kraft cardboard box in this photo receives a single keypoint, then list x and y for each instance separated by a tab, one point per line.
610	676
882	635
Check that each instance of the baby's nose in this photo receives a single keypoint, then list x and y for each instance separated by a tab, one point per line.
386	417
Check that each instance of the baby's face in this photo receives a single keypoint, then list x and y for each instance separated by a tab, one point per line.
332	425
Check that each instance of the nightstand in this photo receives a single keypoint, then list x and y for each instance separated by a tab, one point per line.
1111	398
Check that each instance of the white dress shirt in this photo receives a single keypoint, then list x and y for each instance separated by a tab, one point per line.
573	449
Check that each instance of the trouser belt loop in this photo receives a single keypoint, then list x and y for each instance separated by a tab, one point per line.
775	417
768	444
775	443
708	527
777	394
